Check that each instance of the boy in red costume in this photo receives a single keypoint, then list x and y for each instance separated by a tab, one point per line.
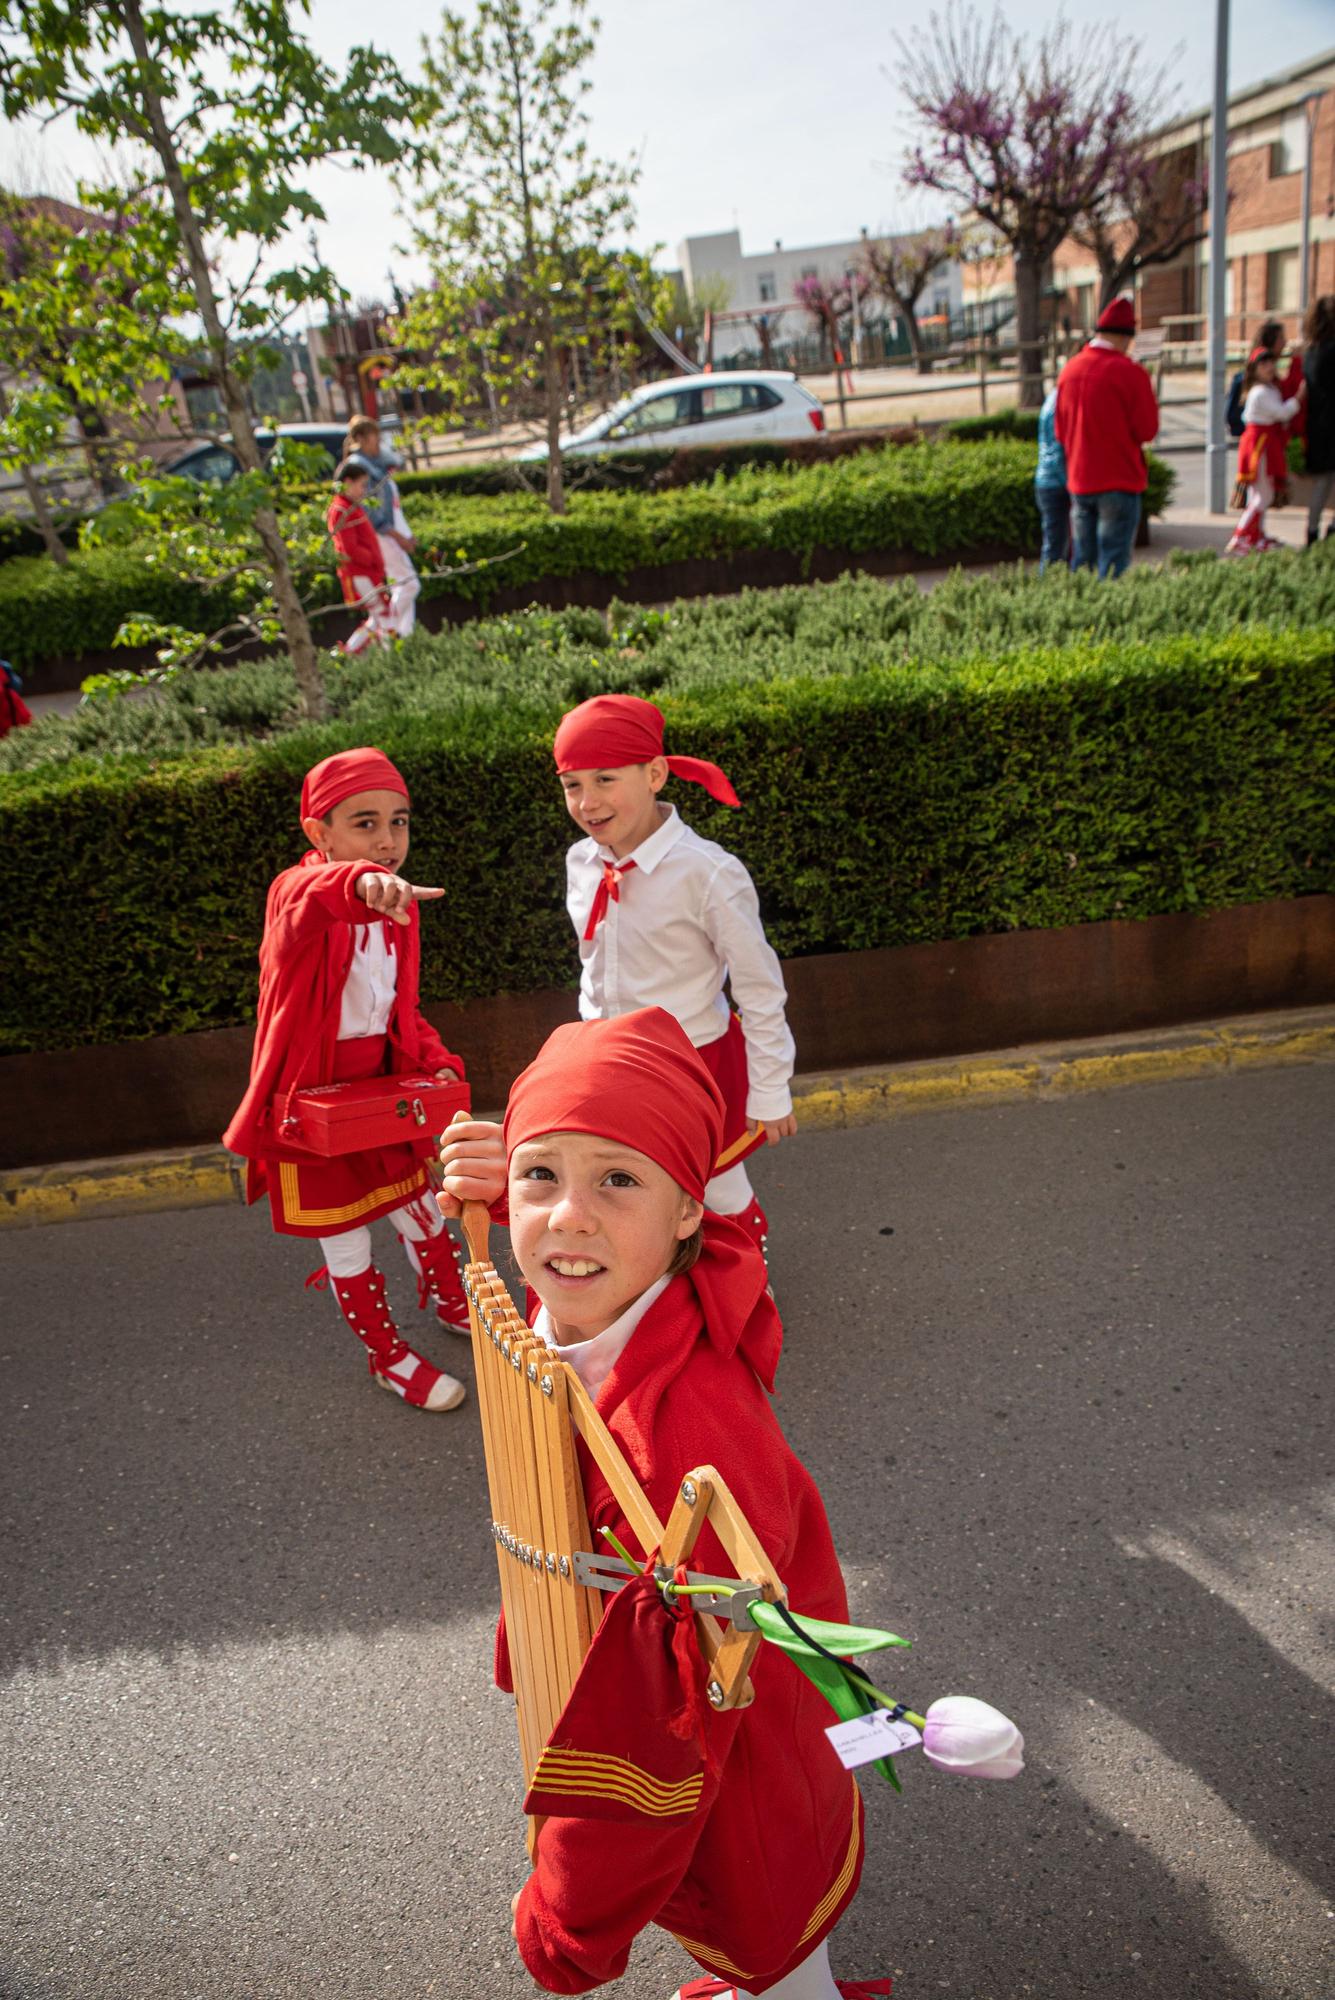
361	563
664	918
742	1836
338	1001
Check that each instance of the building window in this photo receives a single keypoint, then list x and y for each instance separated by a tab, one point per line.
1281	281
810	271
1084	307
1286	152
769	290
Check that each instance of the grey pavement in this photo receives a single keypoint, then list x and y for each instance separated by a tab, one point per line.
1063	1373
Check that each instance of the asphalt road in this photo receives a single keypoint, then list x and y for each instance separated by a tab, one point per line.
1062	1370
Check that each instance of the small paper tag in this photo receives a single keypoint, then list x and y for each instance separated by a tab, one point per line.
870	1736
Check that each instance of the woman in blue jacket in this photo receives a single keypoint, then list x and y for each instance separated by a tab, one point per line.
1054	502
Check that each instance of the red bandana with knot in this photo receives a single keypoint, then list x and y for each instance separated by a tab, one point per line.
615	729
336	778
636	1079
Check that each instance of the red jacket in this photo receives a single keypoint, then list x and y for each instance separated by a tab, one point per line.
1106	413
304	958
750	1864
355	544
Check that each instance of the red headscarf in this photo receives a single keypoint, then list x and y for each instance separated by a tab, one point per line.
637	1079
327	784
615	729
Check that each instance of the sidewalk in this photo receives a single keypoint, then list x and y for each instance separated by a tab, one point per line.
192	1177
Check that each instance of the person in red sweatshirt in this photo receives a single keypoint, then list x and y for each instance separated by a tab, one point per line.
361	565
740	1833
338	1001
1107	413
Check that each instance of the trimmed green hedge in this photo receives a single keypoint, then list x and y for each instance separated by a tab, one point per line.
934	500
1009	422
840	628
649	471
884	804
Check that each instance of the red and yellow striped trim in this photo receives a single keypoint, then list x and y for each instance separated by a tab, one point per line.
739	1146
829	1902
334	1218
826	1907
570	1773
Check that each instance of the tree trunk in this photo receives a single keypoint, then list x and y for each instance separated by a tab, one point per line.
296	625
1113	274
41	514
551	384
922	360
1028	294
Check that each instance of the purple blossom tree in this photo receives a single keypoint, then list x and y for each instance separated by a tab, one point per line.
829	302
898	268
1026	136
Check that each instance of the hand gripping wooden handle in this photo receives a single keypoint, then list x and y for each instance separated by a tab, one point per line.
475	1218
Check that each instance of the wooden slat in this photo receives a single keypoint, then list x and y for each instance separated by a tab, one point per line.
626	1489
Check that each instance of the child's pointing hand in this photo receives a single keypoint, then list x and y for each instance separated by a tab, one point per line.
391	896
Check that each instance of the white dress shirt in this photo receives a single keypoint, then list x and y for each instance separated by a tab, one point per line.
687	920
593	1360
371	985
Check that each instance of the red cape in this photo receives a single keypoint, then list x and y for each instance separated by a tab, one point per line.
761	1866
304	959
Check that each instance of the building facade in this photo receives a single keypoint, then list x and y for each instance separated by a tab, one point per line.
748	285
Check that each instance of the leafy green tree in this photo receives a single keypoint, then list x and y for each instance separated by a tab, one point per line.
517	219
225	110
84	307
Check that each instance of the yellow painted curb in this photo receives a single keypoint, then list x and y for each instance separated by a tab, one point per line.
202	1177
118	1187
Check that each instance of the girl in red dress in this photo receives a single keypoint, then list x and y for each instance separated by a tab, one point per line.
338	1001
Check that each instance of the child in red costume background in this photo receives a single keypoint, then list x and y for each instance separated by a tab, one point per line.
743	1837
338	1001
361	562
664	918
1263	466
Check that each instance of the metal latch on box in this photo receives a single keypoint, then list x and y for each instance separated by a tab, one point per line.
729	1600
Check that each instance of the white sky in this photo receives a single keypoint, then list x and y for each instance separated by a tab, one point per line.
769	115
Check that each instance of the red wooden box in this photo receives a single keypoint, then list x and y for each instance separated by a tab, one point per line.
333	1118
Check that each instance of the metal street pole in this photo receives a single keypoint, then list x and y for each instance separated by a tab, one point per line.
1309	111
1216	444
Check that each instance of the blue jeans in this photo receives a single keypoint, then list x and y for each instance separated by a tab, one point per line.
1105	528
1054	512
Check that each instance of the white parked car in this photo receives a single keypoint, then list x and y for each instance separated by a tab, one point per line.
700	410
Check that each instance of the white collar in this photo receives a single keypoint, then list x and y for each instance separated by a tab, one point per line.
593	1360
651	851
1106	345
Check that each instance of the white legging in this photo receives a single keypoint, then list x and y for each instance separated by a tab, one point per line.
811	1980
730	1192
349	1253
